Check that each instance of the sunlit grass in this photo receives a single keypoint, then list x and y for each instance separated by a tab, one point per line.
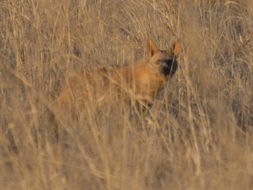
198	133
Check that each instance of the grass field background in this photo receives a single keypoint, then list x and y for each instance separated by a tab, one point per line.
197	135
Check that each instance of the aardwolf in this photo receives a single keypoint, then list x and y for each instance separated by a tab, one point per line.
139	82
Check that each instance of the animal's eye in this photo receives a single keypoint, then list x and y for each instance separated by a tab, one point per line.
159	61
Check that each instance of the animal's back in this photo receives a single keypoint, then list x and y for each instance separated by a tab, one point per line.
84	88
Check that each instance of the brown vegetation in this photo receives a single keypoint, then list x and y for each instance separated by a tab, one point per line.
198	132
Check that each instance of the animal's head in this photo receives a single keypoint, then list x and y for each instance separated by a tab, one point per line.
164	61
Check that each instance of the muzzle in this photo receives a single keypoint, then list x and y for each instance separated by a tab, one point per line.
169	67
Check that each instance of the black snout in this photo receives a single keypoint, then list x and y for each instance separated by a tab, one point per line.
169	67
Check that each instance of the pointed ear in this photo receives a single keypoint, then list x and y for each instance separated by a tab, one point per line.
175	50
152	49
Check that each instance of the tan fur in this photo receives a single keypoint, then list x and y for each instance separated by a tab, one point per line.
138	82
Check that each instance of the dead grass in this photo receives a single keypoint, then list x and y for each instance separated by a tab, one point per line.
198	134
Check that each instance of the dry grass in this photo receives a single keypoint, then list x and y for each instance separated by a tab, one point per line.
198	134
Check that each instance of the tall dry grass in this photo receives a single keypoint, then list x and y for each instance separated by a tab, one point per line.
197	135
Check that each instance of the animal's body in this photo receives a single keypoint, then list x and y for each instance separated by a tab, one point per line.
139	82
